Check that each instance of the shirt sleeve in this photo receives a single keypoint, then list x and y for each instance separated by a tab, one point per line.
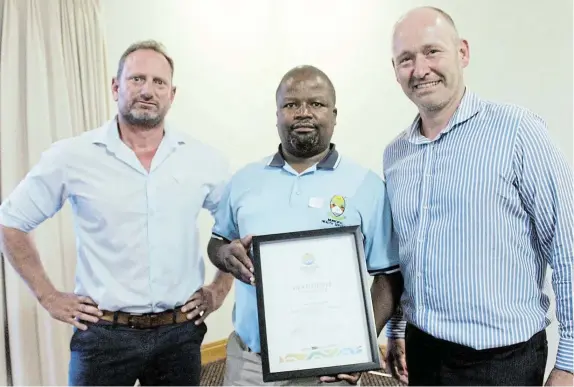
545	186
225	226
39	195
220	173
381	249
396	326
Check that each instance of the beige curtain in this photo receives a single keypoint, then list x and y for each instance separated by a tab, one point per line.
53	84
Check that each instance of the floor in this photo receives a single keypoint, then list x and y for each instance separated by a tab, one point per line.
212	375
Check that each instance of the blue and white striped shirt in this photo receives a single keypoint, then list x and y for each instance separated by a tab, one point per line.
479	213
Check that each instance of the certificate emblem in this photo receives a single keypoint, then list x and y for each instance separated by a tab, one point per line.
308	259
308	262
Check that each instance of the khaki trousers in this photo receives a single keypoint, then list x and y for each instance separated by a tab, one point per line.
243	368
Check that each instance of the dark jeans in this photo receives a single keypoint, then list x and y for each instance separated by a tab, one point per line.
108	354
435	362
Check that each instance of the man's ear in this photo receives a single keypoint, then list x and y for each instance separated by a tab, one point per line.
173	90
395	70
115	87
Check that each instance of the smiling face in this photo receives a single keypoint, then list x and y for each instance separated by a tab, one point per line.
306	113
429	58
144	90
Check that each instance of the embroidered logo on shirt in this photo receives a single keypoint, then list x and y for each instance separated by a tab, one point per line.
337	207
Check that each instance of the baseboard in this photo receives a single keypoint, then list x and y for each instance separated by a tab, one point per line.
216	351
213	351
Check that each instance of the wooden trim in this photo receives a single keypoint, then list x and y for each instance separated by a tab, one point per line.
213	351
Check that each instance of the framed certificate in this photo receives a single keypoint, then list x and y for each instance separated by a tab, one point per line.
314	304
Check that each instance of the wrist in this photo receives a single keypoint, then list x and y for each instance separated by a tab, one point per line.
45	293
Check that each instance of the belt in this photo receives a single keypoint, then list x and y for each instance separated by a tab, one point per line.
145	320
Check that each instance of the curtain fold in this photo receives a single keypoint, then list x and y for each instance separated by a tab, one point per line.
53	85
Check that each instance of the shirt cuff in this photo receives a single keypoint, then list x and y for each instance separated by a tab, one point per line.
396	328
565	355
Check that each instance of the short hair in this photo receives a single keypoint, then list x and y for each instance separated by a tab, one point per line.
144	45
309	70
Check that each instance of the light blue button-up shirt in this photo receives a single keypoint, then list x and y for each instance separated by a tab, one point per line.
480	212
269	197
136	232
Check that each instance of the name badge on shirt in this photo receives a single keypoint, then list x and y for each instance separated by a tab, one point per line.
316	202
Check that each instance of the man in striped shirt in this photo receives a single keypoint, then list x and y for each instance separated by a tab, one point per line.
482	204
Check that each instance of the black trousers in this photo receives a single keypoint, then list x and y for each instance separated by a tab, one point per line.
435	362
116	355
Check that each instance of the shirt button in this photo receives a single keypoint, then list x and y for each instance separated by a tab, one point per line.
425	207
297	193
421	240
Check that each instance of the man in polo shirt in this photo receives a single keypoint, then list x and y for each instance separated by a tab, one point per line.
306	185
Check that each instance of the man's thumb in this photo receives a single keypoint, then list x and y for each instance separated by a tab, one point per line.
246	241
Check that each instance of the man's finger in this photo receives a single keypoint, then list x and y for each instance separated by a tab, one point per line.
402	364
86	300
352	378
91	310
202	317
241	253
192	305
328	379
193	314
241	271
246	241
88	317
77	324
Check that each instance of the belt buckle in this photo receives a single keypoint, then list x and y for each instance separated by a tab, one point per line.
153	320
135	321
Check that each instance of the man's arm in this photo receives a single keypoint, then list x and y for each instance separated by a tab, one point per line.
23	256
544	181
213	248
386	292
38	197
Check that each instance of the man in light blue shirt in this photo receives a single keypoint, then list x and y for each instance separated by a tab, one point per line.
482	204
136	187
305	185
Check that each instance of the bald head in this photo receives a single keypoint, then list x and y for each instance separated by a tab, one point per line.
425	19
303	73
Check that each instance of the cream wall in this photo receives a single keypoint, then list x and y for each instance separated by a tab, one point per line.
229	56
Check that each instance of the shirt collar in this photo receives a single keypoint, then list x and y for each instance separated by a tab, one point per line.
330	161
469	106
109	135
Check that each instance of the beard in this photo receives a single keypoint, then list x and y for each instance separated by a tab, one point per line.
305	145
143	118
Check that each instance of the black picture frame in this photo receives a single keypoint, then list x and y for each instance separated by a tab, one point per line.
369	321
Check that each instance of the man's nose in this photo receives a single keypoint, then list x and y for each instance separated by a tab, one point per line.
303	110
422	68
147	89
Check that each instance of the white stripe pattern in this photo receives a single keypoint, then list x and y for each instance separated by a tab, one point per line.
479	213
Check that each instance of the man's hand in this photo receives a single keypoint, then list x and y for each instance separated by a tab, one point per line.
70	308
560	378
236	259
396	360
351	378
204	302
